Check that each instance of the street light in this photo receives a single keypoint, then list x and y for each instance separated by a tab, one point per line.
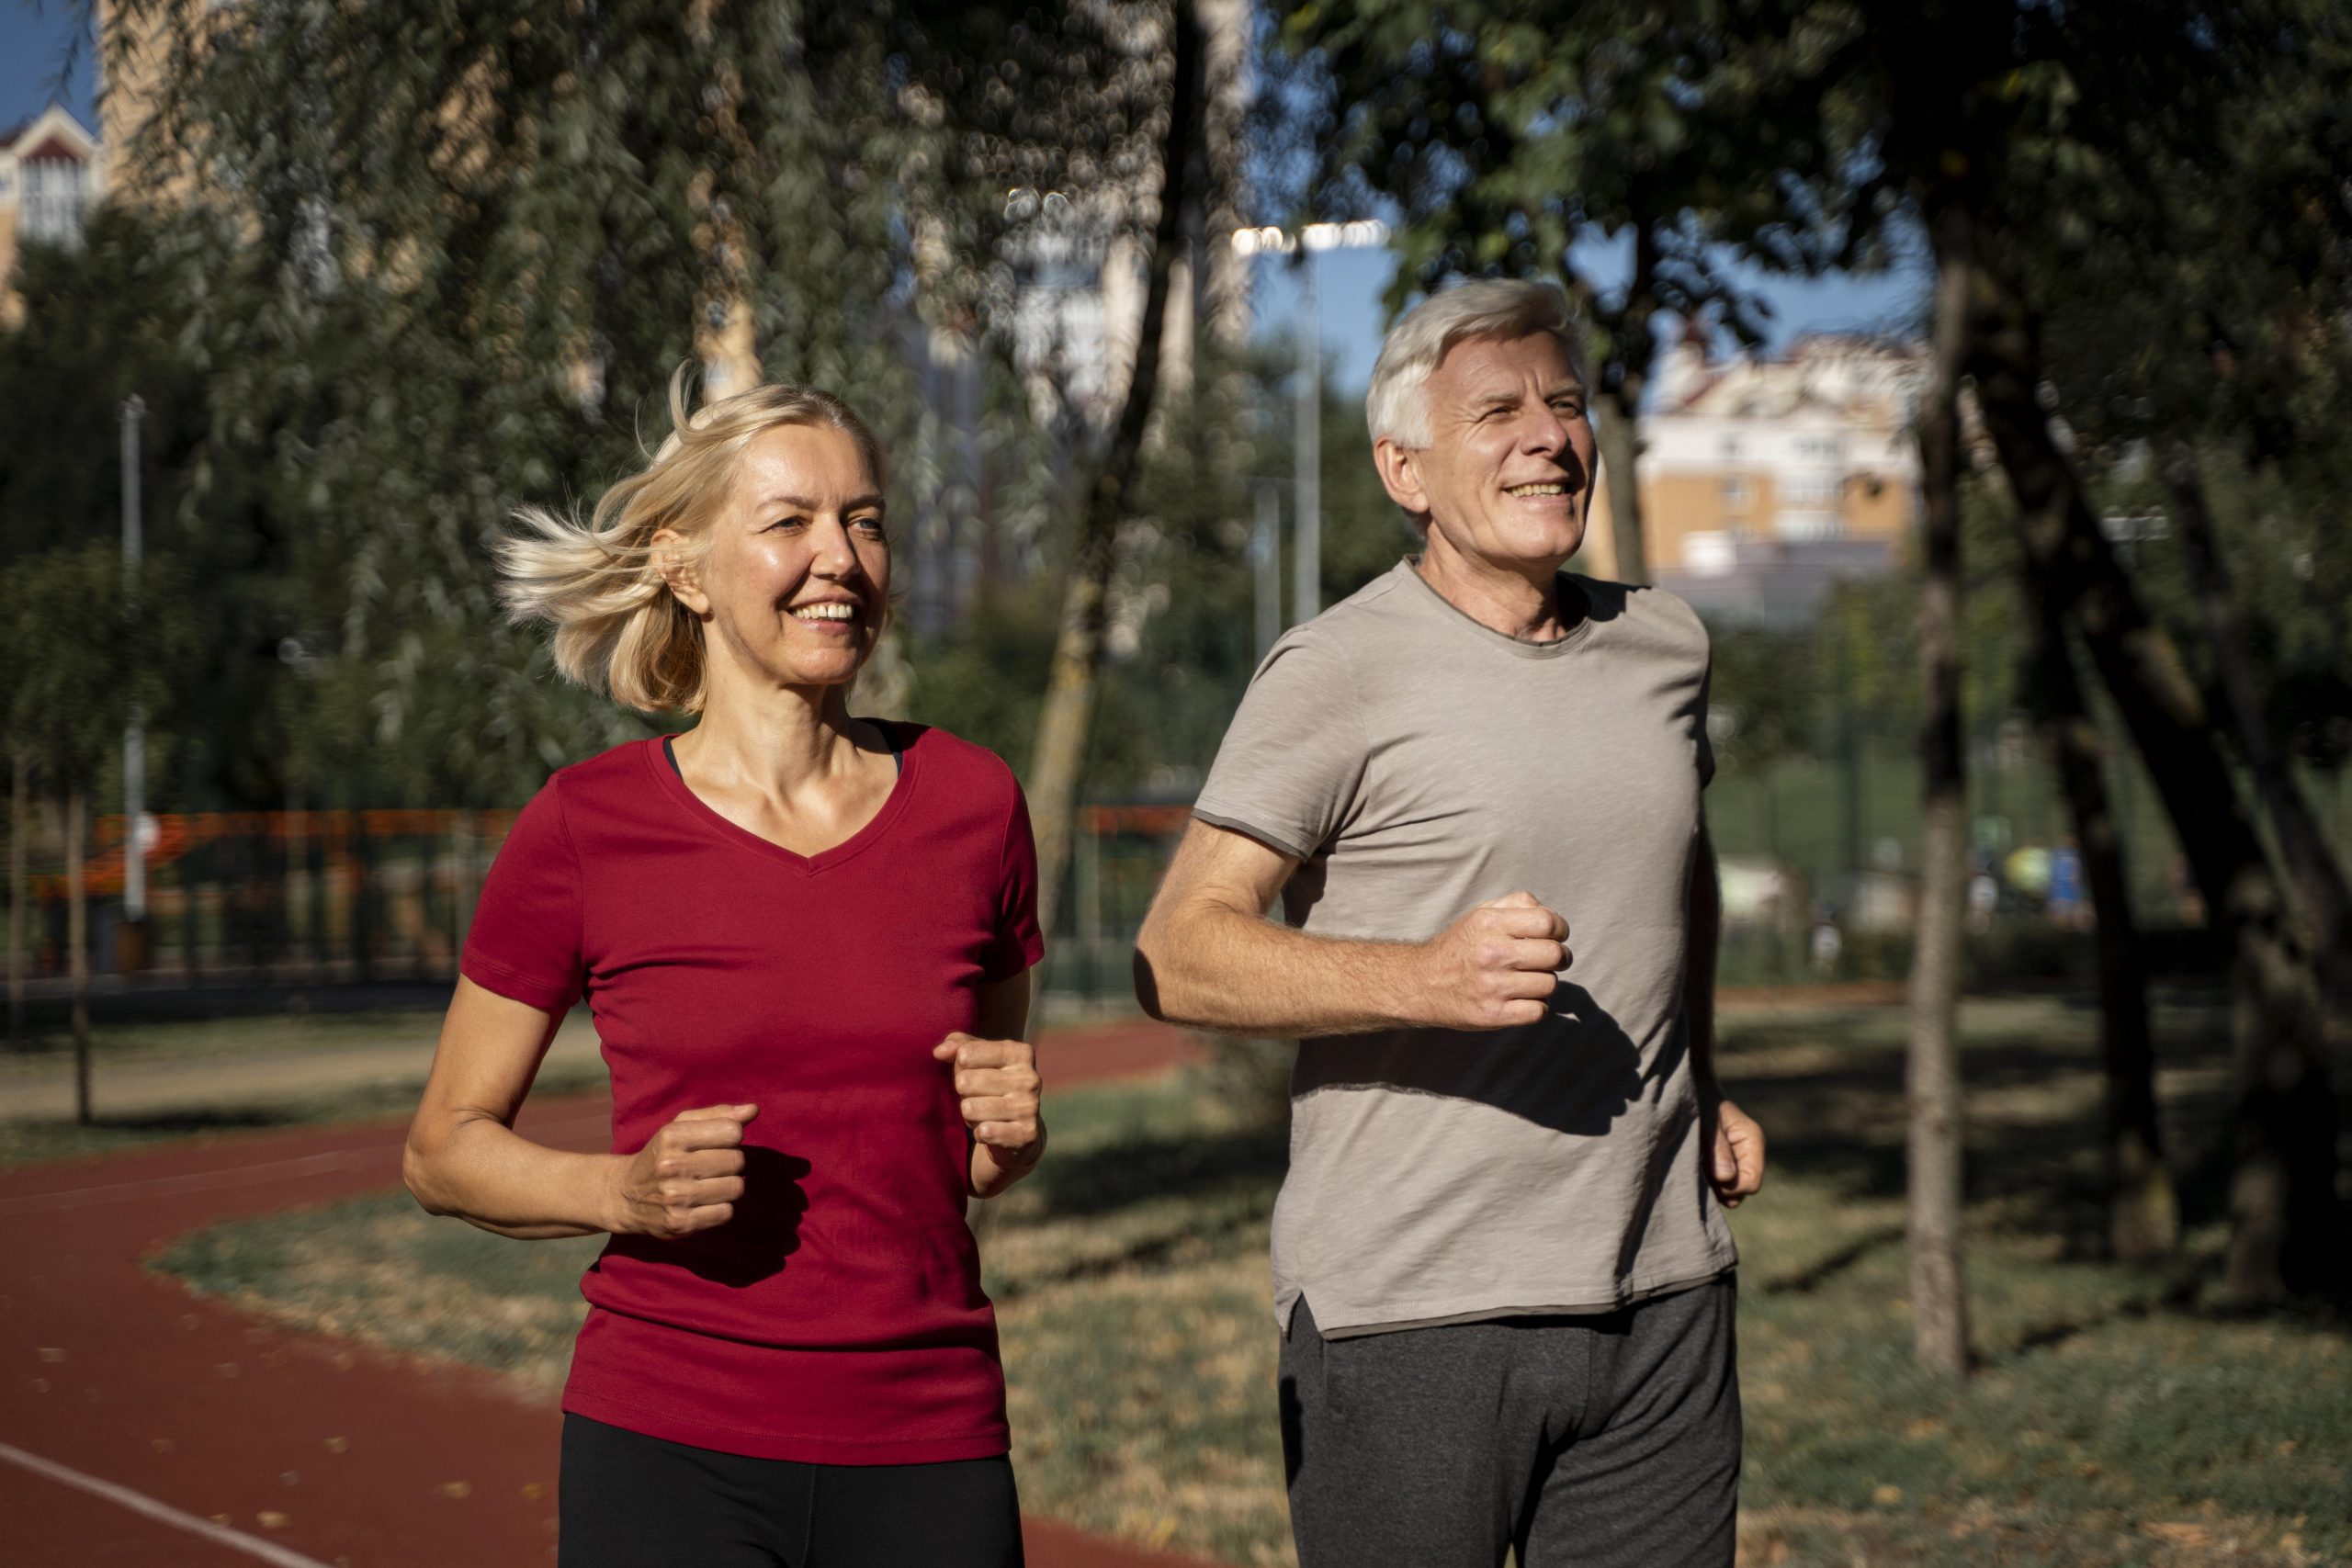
1306	582
134	731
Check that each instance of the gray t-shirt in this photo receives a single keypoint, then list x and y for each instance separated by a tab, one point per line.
1418	764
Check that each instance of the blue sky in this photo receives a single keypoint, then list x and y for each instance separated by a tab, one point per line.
36	35
34	39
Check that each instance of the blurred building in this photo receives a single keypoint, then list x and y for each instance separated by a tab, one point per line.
1765	479
52	172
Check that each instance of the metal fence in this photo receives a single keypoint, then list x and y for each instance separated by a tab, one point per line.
322	896
294	896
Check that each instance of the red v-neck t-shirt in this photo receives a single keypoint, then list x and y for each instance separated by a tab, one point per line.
837	1318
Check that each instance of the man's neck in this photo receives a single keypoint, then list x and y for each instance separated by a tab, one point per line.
1520	601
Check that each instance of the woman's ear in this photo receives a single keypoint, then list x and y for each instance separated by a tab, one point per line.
675	562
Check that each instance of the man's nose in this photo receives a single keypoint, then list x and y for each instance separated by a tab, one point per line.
1545	433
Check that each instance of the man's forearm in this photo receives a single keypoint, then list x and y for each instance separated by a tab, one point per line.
1223	969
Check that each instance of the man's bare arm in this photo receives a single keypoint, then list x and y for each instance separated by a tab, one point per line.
1207	956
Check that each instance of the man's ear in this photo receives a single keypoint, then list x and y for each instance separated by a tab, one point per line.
1401	475
675	563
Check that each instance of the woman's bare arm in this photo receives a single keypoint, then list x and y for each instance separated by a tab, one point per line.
465	1159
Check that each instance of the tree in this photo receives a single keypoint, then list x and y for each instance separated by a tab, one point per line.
465	270
1069	689
1622	148
1937	1142
82	666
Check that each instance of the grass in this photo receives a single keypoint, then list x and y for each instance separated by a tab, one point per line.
2116	1417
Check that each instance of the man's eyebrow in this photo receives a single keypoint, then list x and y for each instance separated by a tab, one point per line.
802	504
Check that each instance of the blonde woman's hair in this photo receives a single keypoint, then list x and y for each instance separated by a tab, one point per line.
618	627
1396	404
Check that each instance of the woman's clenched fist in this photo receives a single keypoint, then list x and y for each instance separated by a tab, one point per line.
686	1177
997	1082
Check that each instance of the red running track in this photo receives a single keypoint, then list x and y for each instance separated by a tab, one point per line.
139	1425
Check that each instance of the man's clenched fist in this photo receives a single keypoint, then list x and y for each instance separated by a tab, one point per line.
997	1080
686	1177
1496	966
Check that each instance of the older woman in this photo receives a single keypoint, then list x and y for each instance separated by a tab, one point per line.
806	939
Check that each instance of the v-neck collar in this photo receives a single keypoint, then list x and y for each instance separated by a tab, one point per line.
909	764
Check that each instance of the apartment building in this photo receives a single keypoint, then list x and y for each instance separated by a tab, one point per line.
52	172
1764	478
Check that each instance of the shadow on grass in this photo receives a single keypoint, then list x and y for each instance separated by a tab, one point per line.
1097	1181
1843	1126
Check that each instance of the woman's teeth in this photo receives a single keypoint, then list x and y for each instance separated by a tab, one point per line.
1535	489
836	612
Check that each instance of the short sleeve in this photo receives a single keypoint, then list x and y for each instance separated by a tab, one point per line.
1288	769
1016	944
525	942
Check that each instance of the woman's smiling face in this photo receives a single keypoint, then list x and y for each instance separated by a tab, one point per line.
797	573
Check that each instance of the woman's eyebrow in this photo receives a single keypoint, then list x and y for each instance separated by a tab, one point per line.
802	504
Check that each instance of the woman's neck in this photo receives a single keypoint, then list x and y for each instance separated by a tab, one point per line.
775	741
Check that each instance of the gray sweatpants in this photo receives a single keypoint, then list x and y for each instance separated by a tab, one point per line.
1608	1441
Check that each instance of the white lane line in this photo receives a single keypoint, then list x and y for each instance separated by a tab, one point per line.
163	1513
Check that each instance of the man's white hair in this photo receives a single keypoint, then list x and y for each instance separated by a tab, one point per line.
1397	404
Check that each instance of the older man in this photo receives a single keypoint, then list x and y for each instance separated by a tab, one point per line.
1500	1262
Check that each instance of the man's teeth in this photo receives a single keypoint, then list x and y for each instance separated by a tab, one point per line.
836	612
1536	490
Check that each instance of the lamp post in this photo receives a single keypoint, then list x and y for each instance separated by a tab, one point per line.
1307	540
132	950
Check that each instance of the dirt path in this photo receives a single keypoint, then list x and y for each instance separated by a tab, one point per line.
141	1425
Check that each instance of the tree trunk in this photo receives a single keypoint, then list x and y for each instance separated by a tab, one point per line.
19	824
77	948
2142	1211
1939	1286
1062	725
2312	869
1620	410
2288	1224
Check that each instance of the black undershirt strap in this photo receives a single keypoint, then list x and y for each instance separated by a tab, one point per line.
890	738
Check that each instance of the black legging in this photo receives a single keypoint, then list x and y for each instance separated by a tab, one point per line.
630	1501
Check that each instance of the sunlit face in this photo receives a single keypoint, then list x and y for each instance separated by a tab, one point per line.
798	572
1508	473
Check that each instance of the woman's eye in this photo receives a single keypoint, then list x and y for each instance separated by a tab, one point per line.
787	523
871	526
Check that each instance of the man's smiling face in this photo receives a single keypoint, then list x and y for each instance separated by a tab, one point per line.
1508	473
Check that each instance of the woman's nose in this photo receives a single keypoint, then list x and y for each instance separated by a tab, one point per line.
836	553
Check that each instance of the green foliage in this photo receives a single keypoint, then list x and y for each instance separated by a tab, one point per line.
86	653
457	255
1517	136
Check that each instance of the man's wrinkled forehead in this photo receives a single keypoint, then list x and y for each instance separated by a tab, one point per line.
1476	370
